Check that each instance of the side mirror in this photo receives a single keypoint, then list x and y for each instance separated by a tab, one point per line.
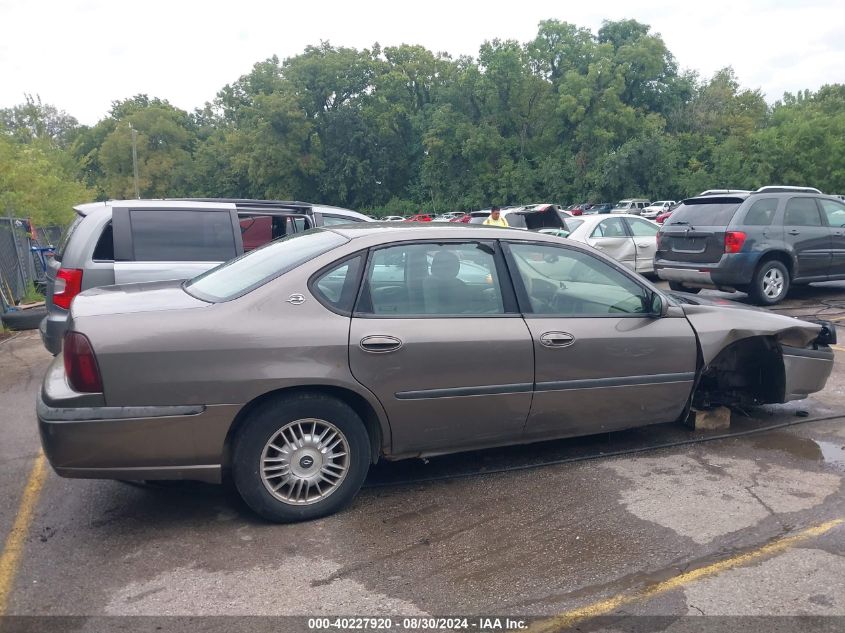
659	307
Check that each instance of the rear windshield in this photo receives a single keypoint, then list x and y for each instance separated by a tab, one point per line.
478	219
251	270
718	212
60	251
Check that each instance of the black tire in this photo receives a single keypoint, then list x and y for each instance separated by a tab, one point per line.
760	288
679	287
24	319
264	423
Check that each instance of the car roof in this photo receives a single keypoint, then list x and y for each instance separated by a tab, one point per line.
423	231
91	207
239	204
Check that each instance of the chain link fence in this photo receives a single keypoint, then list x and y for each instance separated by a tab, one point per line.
21	256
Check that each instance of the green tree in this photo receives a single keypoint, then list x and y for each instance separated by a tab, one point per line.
37	181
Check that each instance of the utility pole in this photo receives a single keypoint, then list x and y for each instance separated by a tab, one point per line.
135	159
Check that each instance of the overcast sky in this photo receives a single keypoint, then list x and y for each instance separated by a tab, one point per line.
80	55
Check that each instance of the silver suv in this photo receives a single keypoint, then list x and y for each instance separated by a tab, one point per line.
125	241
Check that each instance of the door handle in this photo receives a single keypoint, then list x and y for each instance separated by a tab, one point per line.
794	232
838	233
556	339
380	344
646	245
598	247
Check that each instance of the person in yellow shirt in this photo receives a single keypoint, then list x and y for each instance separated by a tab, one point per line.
495	218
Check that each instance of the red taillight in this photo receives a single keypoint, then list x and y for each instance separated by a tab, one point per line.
734	241
576	212
81	369
68	284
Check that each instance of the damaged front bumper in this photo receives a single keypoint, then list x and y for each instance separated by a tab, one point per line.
806	370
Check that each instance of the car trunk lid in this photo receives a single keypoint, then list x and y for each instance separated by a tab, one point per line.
140	297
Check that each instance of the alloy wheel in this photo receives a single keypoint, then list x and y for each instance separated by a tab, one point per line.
773	283
305	461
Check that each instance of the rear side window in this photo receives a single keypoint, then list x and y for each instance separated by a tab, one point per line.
835	212
802	212
705	212
761	213
185	236
338	287
104	251
641	228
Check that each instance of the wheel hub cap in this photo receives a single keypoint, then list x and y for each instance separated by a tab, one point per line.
305	461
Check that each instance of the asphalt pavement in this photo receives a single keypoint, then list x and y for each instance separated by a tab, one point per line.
742	526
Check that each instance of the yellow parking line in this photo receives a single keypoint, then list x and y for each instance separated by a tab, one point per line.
603	607
11	557
838	348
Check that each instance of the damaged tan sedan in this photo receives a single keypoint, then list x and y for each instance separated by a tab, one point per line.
296	366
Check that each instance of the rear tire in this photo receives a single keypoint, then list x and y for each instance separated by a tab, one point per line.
770	283
300	457
28	319
679	287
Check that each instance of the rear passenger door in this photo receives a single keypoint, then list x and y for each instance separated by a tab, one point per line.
611	237
809	237
437	336
166	244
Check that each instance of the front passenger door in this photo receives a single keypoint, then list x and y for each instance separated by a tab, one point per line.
602	362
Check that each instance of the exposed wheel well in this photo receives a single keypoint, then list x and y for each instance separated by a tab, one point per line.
747	372
360	405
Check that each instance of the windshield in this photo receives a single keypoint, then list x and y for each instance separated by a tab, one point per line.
622	205
711	212
571	224
247	272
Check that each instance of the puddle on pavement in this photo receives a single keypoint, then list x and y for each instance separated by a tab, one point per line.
832	453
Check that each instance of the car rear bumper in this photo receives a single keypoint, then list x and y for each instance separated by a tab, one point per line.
732	271
806	370
149	442
52	329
